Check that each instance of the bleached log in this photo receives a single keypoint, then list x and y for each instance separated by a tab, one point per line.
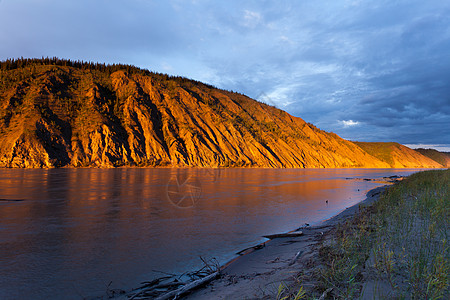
299	253
282	235
324	295
188	287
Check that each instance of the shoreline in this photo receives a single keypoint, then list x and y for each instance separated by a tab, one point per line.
258	271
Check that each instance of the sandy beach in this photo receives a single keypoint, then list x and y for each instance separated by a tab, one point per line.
258	272
375	249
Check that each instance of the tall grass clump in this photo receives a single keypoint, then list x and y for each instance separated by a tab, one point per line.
398	248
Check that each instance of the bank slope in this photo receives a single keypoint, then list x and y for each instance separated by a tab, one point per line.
398	156
442	158
56	113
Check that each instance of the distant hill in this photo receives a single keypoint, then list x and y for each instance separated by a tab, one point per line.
57	113
398	156
441	157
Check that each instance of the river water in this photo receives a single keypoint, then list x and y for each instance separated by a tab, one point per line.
74	233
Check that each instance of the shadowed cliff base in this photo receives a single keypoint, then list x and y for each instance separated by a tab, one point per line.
60	113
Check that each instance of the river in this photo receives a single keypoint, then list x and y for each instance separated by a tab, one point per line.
74	233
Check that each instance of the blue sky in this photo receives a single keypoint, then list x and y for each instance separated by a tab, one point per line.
366	70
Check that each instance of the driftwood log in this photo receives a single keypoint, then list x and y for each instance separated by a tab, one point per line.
282	235
299	253
188	287
324	295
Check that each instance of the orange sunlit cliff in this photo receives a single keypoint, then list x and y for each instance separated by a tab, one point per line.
56	113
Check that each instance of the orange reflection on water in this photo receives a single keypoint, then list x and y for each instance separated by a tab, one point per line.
79	229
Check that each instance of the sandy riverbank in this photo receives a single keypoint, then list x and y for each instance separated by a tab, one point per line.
259	270
368	251
258	273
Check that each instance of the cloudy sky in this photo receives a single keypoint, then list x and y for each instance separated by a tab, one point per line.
366	70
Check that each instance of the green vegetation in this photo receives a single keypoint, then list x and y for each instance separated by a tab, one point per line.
397	248
441	157
284	293
29	66
399	156
382	151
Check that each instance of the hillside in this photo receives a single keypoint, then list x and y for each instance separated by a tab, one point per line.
442	158
56	113
398	156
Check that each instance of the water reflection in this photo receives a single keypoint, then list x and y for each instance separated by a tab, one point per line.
79	229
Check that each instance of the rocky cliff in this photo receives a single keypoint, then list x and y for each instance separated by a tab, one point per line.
60	113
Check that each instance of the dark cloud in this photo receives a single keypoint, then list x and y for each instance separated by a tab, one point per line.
365	70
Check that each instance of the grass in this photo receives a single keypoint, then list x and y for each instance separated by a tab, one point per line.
397	248
411	246
284	293
382	151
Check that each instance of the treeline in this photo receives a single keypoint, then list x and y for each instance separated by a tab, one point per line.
11	64
19	63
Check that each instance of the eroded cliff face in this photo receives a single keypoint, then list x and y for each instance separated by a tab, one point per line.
56	116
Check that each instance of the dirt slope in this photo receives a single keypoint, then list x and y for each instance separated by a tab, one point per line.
398	156
61	113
